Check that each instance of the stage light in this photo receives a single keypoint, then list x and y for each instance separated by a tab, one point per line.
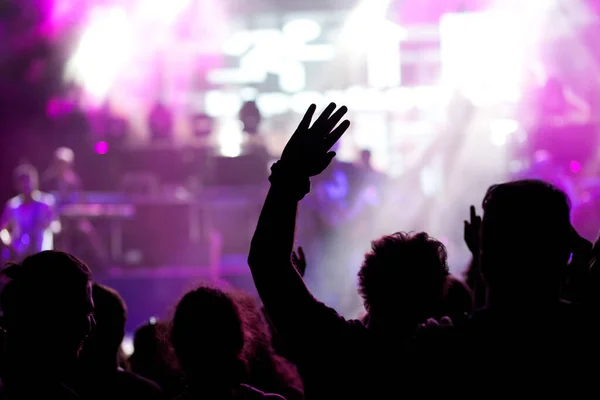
365	25
292	77
230	139
222	104
486	65
501	130
271	104
575	166
103	51
161	10
101	147
127	345
5	237
302	30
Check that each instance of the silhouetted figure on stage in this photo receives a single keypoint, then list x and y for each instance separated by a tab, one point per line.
28	216
61	177
160	122
77	234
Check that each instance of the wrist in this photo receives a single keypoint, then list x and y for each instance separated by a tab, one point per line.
288	180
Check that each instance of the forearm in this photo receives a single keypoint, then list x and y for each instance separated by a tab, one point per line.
279	285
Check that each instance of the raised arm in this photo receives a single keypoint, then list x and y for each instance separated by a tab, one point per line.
281	288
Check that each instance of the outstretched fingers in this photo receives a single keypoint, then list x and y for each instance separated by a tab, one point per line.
335	118
305	123
337	133
324	117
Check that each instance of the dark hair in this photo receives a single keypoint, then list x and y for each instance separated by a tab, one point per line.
267	370
402	269
27	170
207	333
47	276
48	297
110	313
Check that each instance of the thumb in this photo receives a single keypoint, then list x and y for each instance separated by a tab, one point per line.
325	160
329	158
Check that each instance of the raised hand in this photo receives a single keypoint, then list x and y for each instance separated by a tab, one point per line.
299	261
307	153
472	232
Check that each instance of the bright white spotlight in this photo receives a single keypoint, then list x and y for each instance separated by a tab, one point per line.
365	23
5	237
292	77
103	51
162	10
231	139
127	345
302	30
501	130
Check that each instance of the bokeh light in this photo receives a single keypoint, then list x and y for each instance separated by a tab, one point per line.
575	166
101	147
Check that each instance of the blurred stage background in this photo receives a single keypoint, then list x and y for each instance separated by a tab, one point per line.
175	109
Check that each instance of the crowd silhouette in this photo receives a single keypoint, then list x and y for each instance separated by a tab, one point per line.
523	323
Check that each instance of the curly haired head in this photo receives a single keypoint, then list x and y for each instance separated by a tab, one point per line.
404	276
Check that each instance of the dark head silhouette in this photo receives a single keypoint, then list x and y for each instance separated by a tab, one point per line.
208	338
525	240
48	308
110	313
149	347
402	279
153	357
64	158
26	179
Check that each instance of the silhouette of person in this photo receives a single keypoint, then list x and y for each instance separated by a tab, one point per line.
48	313
100	354
153	357
267	370
60	176
28	215
402	282
525	250
208	337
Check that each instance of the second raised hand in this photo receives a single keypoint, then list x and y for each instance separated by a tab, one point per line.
308	150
